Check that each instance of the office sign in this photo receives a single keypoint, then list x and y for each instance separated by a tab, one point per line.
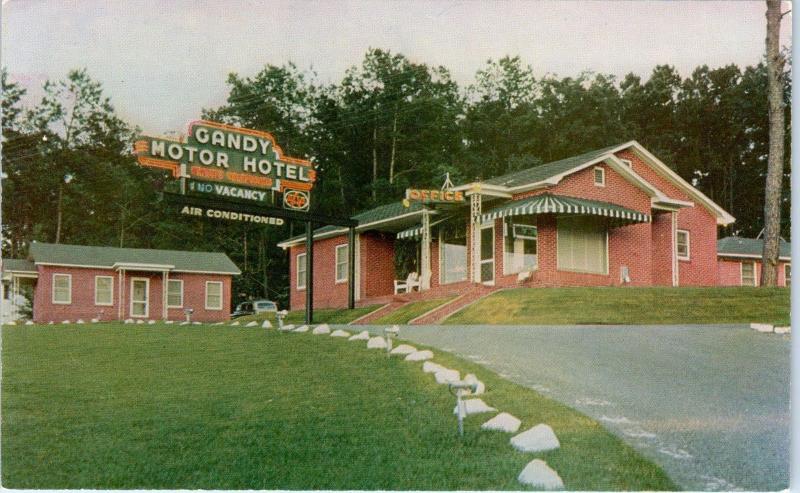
244	159
432	196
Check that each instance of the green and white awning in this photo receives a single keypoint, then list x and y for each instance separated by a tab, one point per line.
557	204
416	231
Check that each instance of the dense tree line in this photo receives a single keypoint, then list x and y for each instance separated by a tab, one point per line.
388	124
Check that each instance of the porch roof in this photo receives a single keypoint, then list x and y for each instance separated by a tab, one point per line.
19	265
558	204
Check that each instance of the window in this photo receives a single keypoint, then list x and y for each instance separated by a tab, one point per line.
62	289
582	245
519	246
213	295
749	274
682	242
103	290
600	177
341	263
627	162
787	274
174	293
453	241
301	271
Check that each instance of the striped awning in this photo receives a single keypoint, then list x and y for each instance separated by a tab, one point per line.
557	204
416	231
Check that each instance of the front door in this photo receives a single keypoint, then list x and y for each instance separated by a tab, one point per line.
487	254
140	299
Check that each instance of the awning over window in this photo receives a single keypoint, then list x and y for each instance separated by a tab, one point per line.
416	231
557	204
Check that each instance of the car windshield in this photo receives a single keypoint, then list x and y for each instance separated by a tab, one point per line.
265	304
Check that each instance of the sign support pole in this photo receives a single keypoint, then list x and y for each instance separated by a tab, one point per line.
351	268
309	273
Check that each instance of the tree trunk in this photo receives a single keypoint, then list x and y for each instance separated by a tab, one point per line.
374	160
121	227
394	146
58	214
774	182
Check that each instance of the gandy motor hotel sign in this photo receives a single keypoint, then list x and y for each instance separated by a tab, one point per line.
243	161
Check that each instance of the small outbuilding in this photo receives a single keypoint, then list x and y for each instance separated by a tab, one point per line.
739	261
71	282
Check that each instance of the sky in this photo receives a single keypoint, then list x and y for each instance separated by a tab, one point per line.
163	61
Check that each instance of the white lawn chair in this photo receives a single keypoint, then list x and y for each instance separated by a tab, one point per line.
408	285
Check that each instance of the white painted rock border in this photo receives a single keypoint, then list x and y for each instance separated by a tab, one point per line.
446	376
321	329
403	349
376	343
420	355
537	439
340	333
301	329
539	475
502	422
431	367
474	406
361	336
762	327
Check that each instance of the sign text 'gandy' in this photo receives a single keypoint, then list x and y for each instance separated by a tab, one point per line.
223	153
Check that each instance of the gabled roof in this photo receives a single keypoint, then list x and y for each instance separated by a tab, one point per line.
18	265
735	246
376	218
108	257
547	170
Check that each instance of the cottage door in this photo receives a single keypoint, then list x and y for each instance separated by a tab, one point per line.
487	254
140	303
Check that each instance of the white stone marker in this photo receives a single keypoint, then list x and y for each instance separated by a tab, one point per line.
266	324
783	330
128	320
361	336
80	321
287	327
403	349
170	322
29	322
420	355
251	324
218	323
502	422
431	367
302	328
151	322
233	324
13	323
65	322
321	329
48	323
474	406
376	343
140	322
340	333
480	387
184	323
762	327
539	475
537	439
197	323
446	375
95	320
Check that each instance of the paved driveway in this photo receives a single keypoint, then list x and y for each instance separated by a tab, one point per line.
708	403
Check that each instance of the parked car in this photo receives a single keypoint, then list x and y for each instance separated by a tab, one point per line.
253	307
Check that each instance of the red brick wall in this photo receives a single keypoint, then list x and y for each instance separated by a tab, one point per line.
730	274
83	306
662	241
376	264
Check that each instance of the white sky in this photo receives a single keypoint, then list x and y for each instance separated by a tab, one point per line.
162	61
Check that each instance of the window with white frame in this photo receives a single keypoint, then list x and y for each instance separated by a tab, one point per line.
62	289
787	275
301	271
627	162
453	251
103	290
682	242
582	245
520	245
213	295
174	293
600	177
341	263
749	274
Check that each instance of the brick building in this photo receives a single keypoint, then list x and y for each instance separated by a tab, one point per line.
71	282
612	217
739	262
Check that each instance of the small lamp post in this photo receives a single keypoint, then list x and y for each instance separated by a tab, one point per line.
390	333
280	315
188	312
459	389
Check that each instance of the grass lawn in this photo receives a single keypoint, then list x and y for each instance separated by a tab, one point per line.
328	316
526	306
200	407
411	311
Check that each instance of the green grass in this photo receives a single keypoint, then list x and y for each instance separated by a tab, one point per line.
199	407
526	306
327	316
412	310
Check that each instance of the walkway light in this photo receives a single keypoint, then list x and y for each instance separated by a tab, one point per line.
188	312
461	389
280	316
390	333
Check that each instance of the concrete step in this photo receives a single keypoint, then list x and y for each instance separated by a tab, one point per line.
440	313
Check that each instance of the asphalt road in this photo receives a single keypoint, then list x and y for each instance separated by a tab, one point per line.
710	404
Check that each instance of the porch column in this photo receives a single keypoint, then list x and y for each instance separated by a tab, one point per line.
674	243
475	236
425	252
164	294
